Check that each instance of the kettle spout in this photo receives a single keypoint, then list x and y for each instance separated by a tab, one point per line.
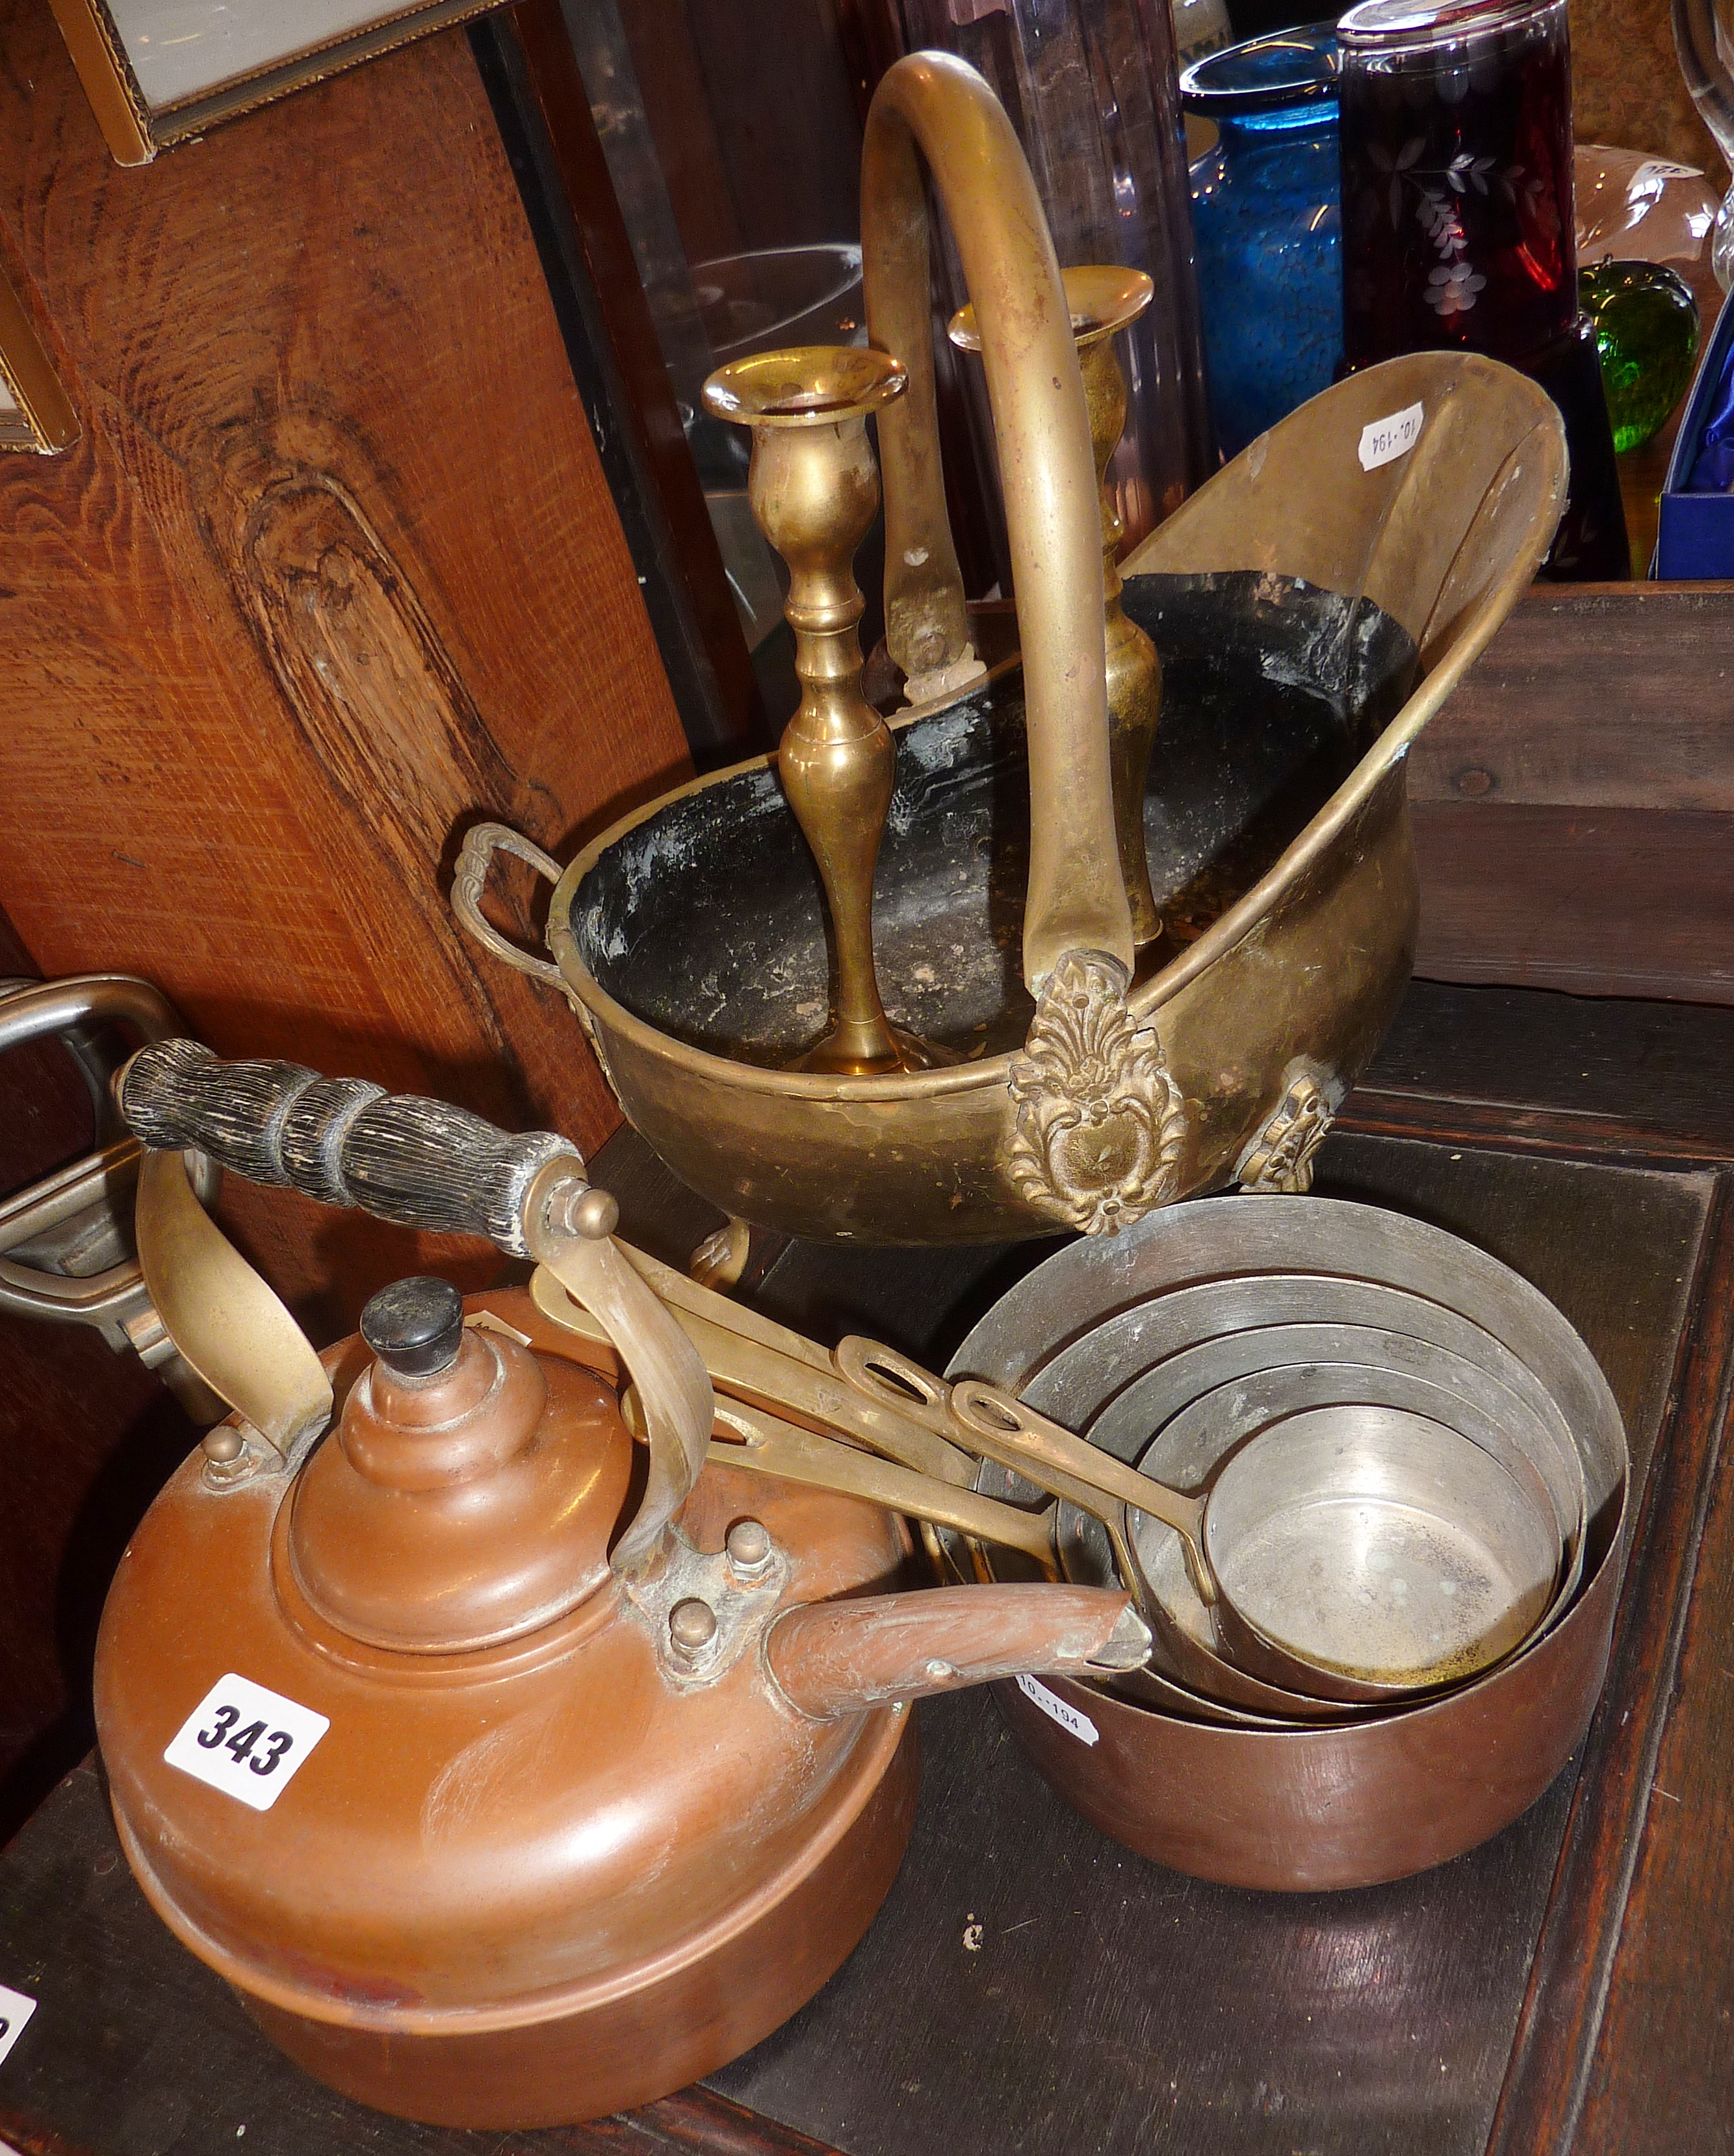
838	1658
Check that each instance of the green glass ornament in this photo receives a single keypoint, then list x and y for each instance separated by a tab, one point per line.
1646	324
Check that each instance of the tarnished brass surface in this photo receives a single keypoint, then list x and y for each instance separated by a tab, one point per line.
1281	1158
226	1323
940	107
1302	957
1104	299
815	492
1101	1125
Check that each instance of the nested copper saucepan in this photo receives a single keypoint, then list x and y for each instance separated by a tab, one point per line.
1259	1800
1297	1526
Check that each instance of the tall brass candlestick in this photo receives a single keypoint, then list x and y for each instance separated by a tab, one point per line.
813	488
1103	301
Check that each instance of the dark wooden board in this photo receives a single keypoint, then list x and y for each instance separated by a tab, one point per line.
1572	798
1109	2005
1664	2062
1607	1072
1603	695
1636	902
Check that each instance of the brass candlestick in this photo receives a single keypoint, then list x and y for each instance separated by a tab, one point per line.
814	487
1103	300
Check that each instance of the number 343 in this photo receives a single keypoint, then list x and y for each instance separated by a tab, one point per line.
244	1742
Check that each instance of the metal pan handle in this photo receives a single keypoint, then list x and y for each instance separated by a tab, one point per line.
1016	1436
470	880
891	1379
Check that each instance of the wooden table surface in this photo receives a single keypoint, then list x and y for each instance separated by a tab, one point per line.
1031	1986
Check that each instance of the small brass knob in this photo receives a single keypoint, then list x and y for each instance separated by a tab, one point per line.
691	1627
577	1208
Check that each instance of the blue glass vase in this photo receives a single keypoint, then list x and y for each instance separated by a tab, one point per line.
1269	227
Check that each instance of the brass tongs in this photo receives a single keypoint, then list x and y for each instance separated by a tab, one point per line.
784	1395
784	1409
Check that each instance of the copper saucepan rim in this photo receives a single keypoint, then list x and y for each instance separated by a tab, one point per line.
1033	1327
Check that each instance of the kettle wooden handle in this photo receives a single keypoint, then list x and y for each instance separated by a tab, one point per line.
425	1164
421	1163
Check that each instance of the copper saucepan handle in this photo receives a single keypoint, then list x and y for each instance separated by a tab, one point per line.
801	1387
427	1164
765	1444
1002	1429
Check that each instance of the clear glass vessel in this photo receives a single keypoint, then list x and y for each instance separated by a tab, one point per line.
1704	40
1090	87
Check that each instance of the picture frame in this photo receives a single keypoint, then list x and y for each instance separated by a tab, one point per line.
36	415
159	72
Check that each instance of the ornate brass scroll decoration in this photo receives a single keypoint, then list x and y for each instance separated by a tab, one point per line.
1100	1124
1281	1158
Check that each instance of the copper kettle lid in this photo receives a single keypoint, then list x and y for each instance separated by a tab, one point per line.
469	1492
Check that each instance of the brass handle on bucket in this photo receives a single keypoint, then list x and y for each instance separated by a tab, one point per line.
426	1164
470	880
940	106
1104	299
1079	926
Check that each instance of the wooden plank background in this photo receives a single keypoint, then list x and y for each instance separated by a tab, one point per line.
333	571
1574	800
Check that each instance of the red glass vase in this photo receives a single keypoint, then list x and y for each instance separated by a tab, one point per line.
1458	223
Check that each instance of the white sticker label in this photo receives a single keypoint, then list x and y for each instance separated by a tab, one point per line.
15	2010
1658	169
1056	1709
245	1741
1384	440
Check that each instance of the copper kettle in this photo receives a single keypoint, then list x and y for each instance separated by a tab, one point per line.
512	1774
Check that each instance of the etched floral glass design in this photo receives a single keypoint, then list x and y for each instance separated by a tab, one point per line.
1457	180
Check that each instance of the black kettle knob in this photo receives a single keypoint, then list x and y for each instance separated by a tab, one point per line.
415	1326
